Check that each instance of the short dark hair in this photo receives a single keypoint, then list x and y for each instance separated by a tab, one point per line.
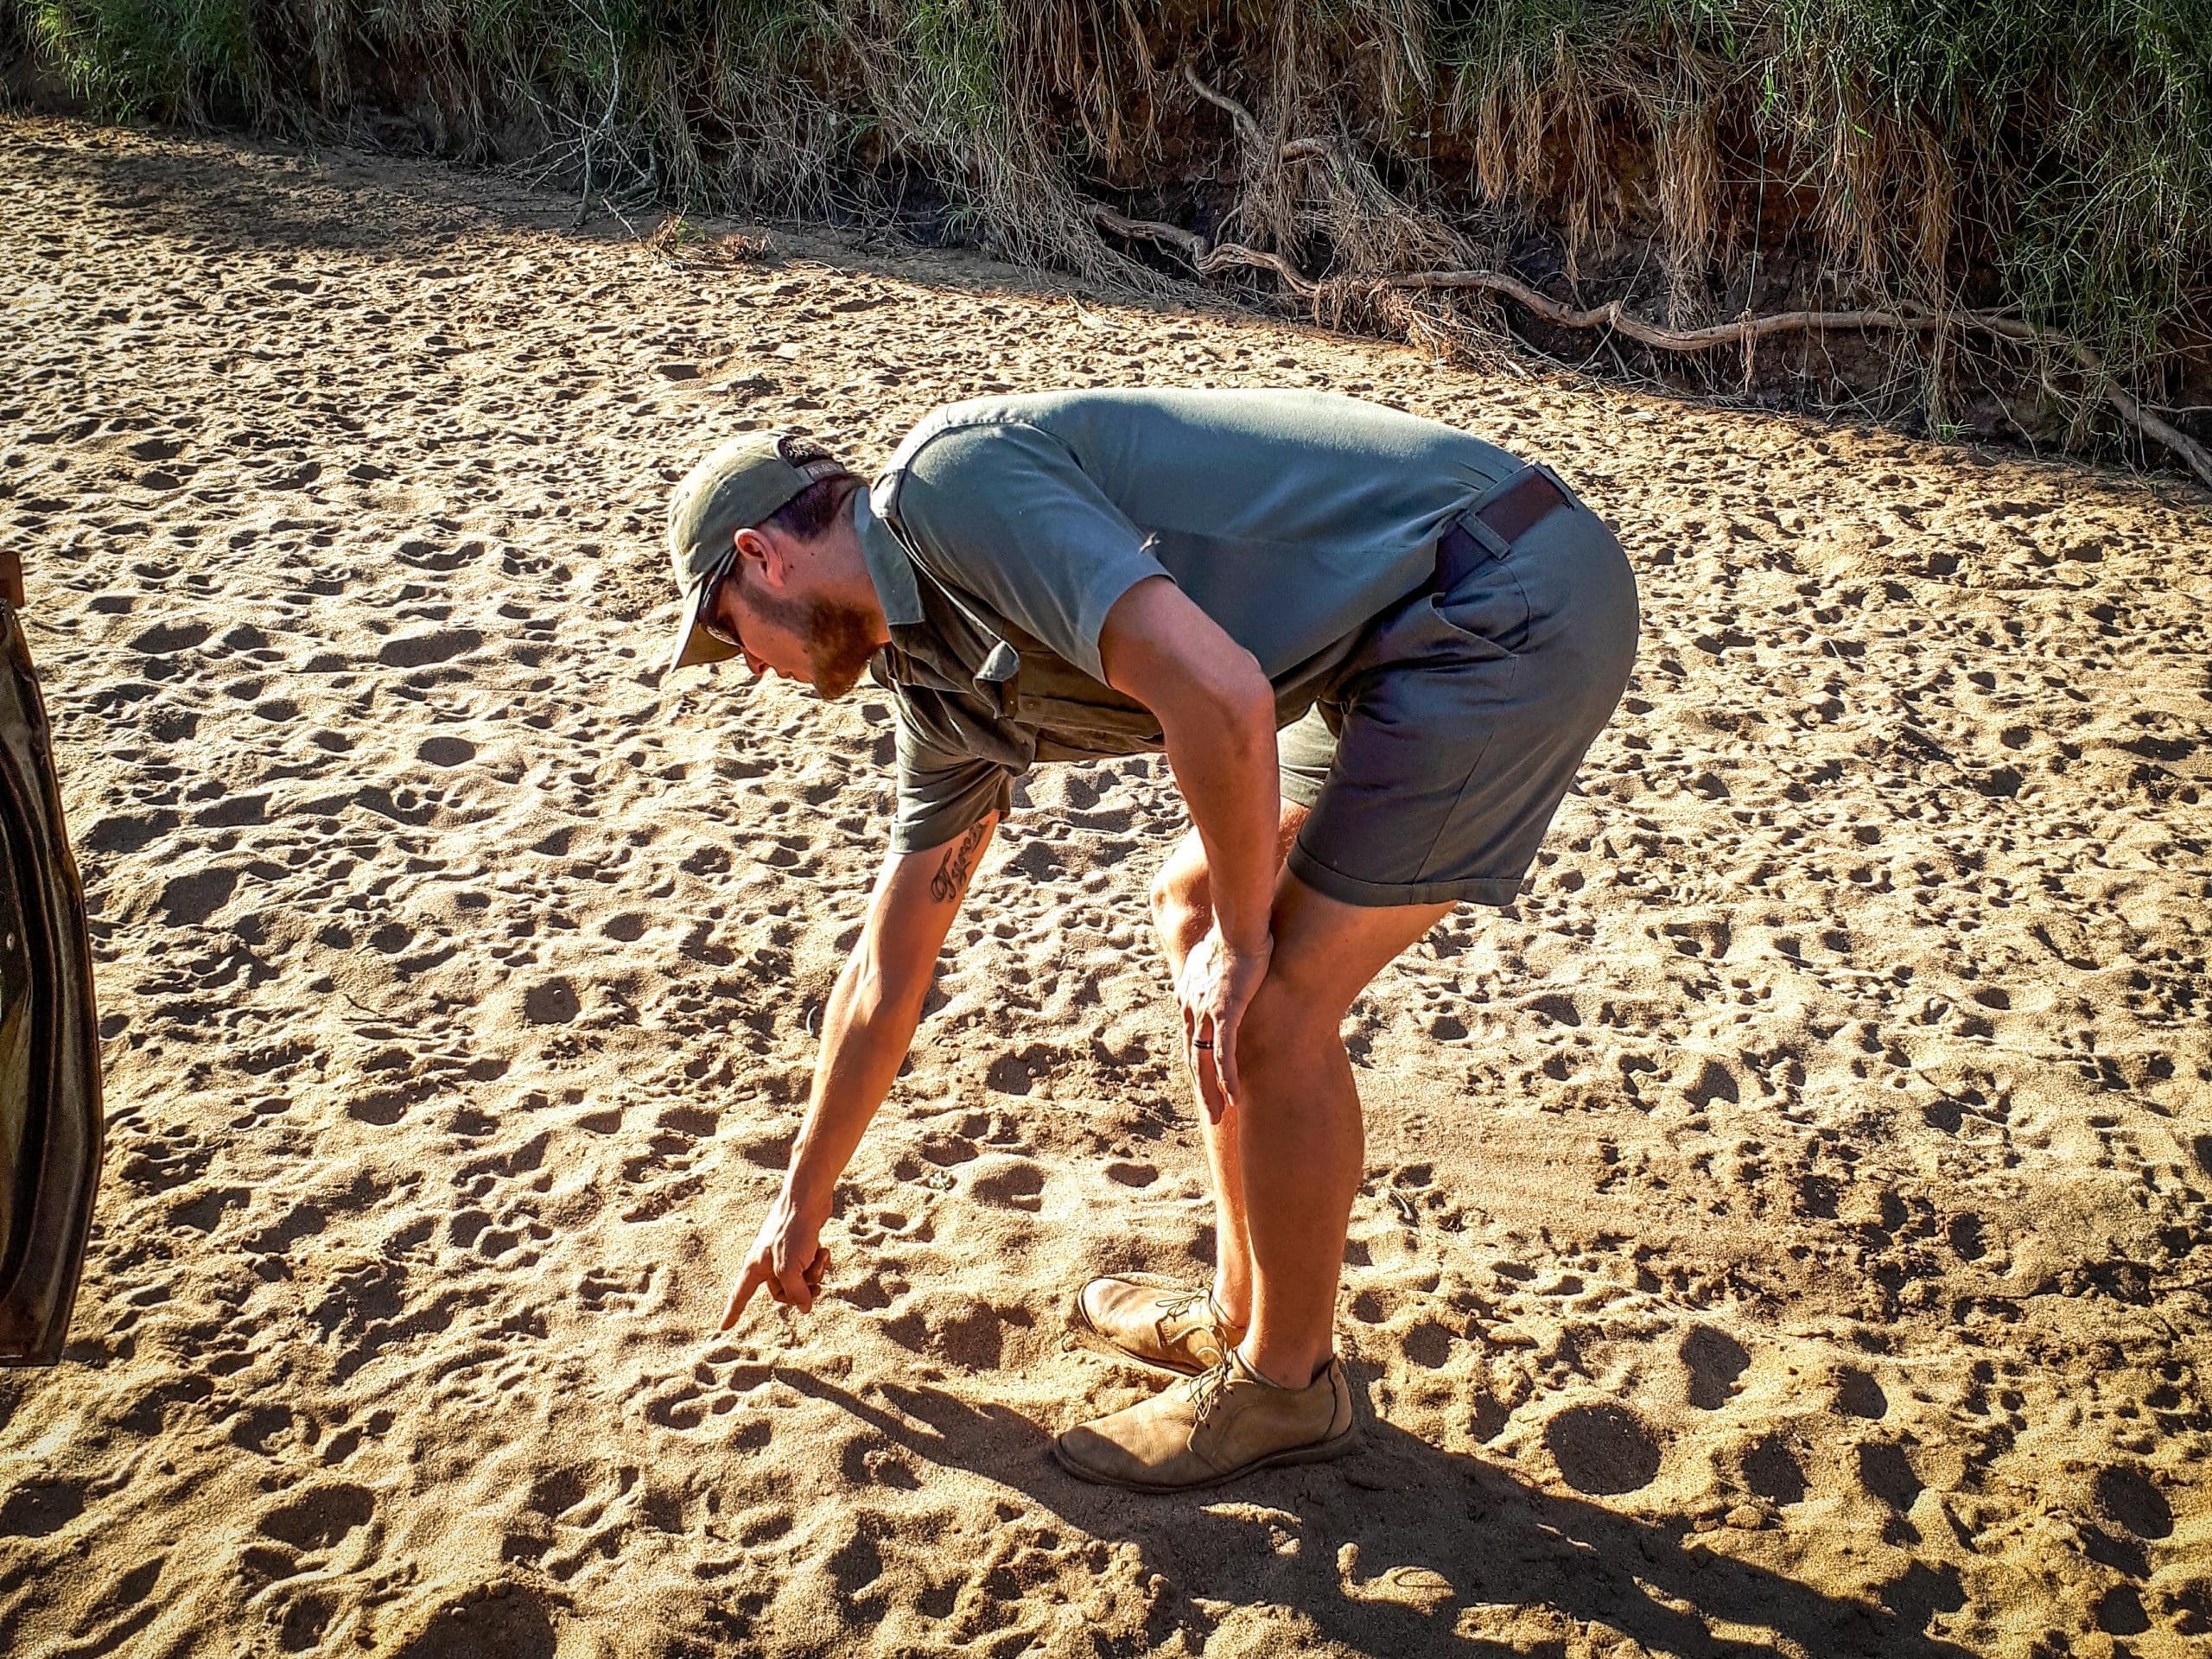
815	508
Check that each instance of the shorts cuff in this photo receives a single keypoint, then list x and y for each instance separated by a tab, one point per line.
1381	895
1299	787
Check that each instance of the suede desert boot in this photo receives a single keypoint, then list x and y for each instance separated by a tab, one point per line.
1227	1422
1169	1327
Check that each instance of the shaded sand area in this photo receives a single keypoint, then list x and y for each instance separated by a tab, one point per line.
1785	1231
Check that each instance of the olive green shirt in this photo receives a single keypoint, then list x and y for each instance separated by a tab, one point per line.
1004	529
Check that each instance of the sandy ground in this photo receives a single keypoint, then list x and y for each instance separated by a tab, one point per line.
1786	1230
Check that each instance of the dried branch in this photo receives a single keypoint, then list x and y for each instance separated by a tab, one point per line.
2131	410
1744	331
1151	230
1235	253
1616	316
1248	128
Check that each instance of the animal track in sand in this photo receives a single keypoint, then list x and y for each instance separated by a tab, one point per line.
1857	1395
1772	1471
1603	1449
1016	1184
1428	1345
38	1508
500	1619
205	1213
947	1150
603	1289
318	1517
190	899
2130	1497
552	1003
967	1333
1886	1471
1714	1360
258	1427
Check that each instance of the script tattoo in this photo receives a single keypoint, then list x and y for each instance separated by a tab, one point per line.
951	877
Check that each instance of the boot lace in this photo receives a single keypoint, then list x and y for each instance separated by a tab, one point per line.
1207	1388
1176	1306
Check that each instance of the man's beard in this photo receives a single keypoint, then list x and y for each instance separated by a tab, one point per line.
838	639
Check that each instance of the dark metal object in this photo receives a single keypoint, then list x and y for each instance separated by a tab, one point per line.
50	1121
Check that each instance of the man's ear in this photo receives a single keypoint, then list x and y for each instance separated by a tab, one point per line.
771	562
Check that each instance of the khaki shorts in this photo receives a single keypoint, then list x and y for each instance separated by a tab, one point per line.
1445	747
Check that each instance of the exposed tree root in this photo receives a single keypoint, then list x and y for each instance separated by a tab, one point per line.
1743	332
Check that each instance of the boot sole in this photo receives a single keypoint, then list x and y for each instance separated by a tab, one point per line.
1320	1452
1098	1339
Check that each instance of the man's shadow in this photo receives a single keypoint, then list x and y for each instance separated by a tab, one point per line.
1413	1511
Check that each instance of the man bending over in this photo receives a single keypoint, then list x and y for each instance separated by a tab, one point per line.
1374	649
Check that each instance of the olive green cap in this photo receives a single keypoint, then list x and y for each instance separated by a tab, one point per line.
739	484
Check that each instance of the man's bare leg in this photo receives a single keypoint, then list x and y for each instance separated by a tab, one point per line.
1182	912
1300	1143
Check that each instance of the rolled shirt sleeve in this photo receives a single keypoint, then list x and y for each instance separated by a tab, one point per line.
1001	509
943	788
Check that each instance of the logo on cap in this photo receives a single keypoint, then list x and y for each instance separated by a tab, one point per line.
805	456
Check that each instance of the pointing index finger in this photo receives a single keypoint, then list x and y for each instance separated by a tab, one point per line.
749	1282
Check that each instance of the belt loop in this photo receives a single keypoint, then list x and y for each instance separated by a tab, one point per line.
1490	541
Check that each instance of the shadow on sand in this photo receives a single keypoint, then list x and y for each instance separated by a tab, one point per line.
1413	1511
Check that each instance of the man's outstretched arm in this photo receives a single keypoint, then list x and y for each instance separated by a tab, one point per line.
865	1032
1218	716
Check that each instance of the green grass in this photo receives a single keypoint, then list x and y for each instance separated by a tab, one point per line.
134	57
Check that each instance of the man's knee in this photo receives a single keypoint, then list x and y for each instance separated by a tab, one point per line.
1180	896
1286	1025
1169	893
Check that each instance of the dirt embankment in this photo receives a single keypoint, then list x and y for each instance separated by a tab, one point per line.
1984	222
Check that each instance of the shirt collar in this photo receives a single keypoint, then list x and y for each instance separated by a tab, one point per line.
888	568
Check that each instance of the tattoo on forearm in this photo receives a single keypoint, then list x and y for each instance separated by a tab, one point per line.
951	877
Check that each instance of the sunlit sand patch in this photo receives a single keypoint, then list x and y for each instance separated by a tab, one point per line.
1786	1226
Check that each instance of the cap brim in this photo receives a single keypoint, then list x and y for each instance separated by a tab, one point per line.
693	643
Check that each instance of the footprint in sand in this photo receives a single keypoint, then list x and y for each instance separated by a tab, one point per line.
1857	1395
966	1333
1772	1471
424	650
552	1003
187	901
1886	1471
1018	1185
2130	1498
501	1617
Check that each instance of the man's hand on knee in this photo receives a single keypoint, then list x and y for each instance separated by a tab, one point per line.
1216	987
